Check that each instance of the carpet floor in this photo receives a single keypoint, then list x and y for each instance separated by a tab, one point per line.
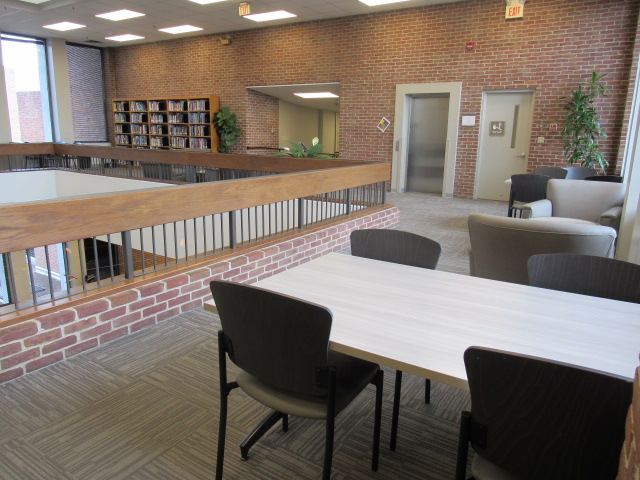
146	406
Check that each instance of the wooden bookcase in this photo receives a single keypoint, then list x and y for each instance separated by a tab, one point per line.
172	123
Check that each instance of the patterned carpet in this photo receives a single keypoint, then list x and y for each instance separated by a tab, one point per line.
146	406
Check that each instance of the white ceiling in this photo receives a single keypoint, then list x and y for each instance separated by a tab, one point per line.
28	17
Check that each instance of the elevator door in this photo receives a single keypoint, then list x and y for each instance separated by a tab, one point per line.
427	143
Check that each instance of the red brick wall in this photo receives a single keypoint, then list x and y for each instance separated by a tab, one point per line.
31	123
42	341
556	45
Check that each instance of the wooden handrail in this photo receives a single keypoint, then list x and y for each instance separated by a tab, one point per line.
45	223
261	163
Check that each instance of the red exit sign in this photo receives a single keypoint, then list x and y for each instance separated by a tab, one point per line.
514	11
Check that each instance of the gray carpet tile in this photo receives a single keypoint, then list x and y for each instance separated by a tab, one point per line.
146	406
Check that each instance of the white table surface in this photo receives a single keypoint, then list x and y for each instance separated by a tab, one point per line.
421	321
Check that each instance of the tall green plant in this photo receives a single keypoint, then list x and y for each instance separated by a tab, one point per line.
582	130
226	125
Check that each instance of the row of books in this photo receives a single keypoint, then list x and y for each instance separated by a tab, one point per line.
159	105
137	106
199	117
198	143
178	130
198	130
142	129
140	140
158	141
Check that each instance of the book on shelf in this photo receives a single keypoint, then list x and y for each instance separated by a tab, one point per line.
156	118
120	106
176	118
176	105
138	117
121	117
199	143
140	140
199	104
199	117
157	129
155	105
138	106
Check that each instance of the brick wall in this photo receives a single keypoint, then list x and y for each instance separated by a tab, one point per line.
31	123
42	341
556	45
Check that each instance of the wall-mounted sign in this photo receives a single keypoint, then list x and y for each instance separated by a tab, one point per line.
515	9
244	9
496	129
468	120
383	124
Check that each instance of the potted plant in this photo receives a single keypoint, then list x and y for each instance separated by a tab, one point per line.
226	125
299	151
582	130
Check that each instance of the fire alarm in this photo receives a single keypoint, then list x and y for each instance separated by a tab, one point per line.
471	45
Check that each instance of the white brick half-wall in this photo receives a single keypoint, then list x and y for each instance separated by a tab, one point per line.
41	341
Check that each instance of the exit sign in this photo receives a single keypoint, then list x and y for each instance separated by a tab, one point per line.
244	9
514	10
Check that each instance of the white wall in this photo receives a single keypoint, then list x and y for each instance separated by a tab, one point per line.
29	186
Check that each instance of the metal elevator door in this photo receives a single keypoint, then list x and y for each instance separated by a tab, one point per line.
427	143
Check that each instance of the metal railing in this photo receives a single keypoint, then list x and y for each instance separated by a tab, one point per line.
32	274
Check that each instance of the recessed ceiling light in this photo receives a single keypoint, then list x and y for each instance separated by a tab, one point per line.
124	38
317	95
267	16
207	2
180	29
64	26
373	3
120	15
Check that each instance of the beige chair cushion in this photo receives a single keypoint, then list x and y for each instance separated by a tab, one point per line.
501	246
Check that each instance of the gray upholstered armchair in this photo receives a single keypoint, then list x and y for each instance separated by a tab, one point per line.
597	202
501	246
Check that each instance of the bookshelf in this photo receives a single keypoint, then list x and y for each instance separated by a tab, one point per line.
170	123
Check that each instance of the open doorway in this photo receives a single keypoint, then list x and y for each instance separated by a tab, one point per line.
426	163
302	118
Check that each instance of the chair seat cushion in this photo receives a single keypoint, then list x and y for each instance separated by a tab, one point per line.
482	469
353	375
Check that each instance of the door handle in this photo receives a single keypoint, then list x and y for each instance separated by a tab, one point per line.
522	155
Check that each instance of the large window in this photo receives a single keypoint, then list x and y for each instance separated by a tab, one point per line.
87	93
25	69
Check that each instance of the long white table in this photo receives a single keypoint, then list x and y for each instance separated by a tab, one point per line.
421	321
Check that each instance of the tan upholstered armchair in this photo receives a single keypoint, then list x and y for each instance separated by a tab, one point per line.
597	202
501	246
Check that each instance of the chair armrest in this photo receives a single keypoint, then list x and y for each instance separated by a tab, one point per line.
539	208
611	218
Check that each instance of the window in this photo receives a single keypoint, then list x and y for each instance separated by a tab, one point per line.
25	70
87	93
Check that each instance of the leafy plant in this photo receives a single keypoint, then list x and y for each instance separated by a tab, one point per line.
226	124
299	151
582	130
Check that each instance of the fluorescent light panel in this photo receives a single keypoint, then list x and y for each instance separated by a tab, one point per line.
374	3
268	16
317	95
180	29
124	38
120	15
206	2
64	26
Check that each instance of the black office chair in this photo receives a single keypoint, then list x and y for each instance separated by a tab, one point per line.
604	178
526	188
397	246
533	419
281	345
553	172
586	274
